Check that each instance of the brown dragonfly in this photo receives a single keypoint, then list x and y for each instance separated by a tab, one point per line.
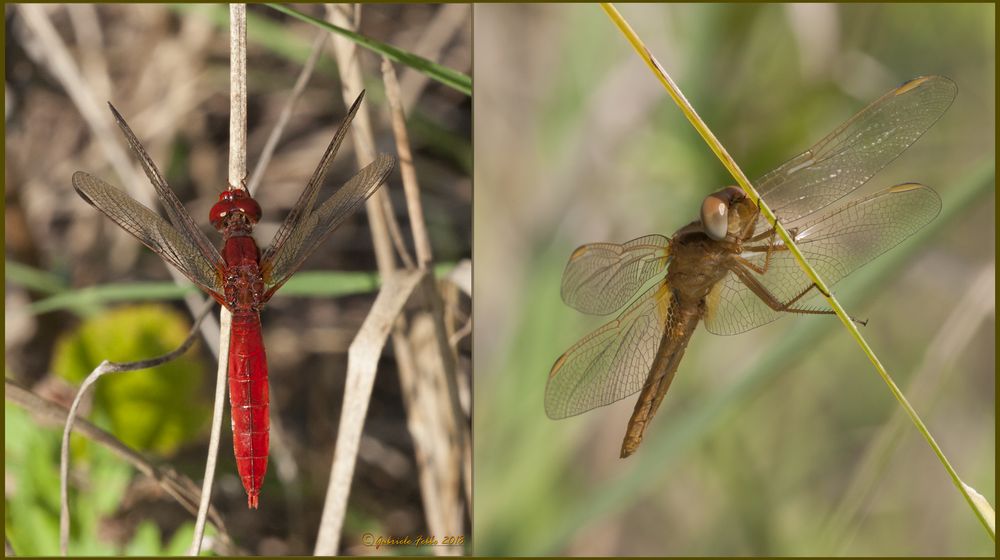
730	270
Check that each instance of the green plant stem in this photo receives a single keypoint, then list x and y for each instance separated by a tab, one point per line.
748	188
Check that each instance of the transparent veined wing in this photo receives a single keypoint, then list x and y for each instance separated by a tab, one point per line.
178	215
601	277
304	205
612	362
284	258
850	155
200	266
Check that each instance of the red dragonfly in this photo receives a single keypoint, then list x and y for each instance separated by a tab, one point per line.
729	268
241	278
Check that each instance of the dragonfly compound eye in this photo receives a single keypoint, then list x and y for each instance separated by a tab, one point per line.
715	211
714	217
249	207
219	212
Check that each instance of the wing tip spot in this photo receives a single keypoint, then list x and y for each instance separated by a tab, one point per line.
911	84
579	252
905	187
557	366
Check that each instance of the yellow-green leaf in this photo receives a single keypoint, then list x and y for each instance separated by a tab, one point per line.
152	409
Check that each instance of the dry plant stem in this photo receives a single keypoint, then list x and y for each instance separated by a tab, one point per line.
350	426
976	307
332	518
286	113
237	174
396	235
237	94
744	183
362	360
105	367
61	65
87	30
225	321
180	487
410	186
361	130
434	408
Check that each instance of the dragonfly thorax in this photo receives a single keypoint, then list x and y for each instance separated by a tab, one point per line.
244	287
243	282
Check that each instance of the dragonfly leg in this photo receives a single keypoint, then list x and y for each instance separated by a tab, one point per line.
769	235
767	250
766	234
771	300
786	307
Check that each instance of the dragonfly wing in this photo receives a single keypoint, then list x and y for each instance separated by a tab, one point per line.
153	231
835	244
612	362
304	205
282	260
171	204
859	148
600	277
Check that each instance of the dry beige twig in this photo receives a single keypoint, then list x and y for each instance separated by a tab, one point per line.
434	415
411	187
433	431
362	361
87	29
237	174
225	322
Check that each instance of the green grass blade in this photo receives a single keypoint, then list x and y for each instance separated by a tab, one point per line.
38	280
320	284
447	76
84	300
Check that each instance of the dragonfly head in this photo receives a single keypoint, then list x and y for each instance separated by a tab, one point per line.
721	212
235	207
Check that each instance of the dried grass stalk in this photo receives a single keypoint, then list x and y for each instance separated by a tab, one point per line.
237	176
362	361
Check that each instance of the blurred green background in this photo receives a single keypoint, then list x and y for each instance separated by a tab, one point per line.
780	441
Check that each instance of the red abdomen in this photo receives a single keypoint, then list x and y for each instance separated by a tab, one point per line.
248	396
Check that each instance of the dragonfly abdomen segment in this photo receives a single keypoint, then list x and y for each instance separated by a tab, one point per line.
661	374
248	397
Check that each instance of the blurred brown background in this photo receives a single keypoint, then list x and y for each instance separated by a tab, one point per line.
166	68
777	441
